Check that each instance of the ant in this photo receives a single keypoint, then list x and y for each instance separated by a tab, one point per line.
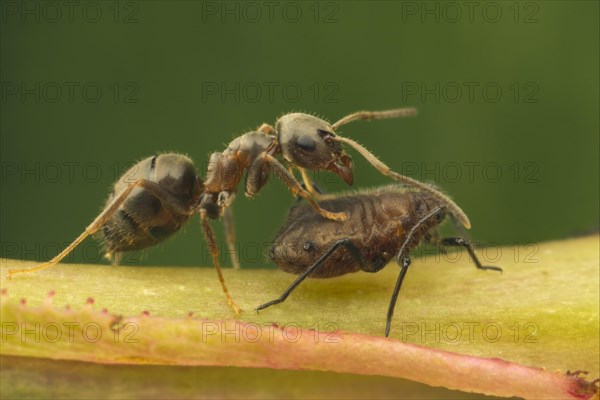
149	203
386	222
305	142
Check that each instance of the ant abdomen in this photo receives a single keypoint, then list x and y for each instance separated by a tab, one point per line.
156	210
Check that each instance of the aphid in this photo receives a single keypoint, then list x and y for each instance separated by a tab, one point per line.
384	223
153	199
305	142
149	203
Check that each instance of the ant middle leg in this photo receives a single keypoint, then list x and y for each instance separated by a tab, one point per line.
224	201
156	190
347	243
211	241
460	242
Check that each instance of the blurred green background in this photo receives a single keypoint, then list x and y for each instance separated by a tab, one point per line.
507	95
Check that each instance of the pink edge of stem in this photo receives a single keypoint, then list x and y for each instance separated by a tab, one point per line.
197	342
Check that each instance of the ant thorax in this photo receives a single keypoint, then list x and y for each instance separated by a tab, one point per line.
225	170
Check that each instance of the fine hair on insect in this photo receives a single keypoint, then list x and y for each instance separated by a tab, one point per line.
385	223
296	141
158	195
150	202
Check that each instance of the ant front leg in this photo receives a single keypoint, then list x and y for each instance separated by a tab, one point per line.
165	197
266	160
309	185
460	242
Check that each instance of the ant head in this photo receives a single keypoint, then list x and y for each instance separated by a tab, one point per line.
309	142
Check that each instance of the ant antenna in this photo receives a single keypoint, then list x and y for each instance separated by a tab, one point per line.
369	115
385	170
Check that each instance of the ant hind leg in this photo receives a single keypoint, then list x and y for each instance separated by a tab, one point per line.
98	222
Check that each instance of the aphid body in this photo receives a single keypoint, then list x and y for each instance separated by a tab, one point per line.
385	223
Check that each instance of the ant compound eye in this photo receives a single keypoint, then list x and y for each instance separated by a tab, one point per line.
306	143
325	135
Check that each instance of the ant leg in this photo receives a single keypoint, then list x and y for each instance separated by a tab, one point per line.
453	208
352	249
104	216
369	115
267	129
297	189
211	241
230	236
460	242
404	260
308	183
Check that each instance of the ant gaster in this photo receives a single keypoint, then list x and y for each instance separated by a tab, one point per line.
385	223
149	203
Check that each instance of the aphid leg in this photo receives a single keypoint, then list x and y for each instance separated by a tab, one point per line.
368	115
343	242
230	237
404	268
100	220
404	261
211	241
297	189
452	207
433	238
460	242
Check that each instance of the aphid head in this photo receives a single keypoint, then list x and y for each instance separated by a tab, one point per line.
309	142
293	253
